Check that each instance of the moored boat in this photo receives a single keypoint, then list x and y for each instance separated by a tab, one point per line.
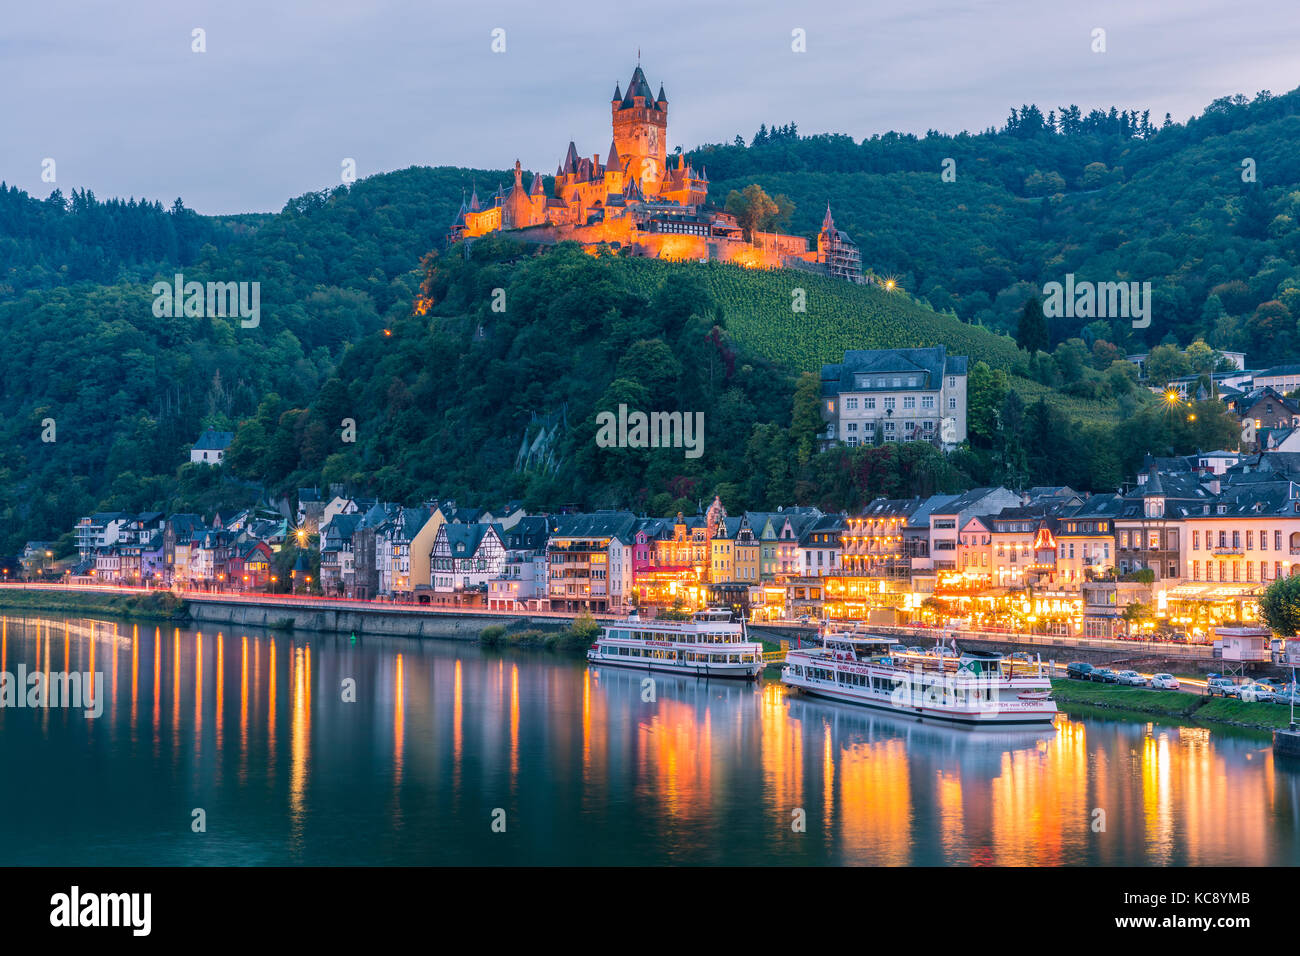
972	687
709	644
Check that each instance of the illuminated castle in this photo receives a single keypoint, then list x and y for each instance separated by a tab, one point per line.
642	200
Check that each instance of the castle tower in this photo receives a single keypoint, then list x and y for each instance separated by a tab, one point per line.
640	122
518	208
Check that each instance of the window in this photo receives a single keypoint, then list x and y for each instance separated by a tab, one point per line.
952	404
909	401
870	403
851	404
927	401
889	404
952	381
1196	541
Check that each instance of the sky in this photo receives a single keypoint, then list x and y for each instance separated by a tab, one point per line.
286	90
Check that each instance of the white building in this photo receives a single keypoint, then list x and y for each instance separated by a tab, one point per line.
897	395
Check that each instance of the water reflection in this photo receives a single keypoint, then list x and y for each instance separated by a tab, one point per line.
588	765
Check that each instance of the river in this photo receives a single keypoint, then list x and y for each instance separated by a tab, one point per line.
256	747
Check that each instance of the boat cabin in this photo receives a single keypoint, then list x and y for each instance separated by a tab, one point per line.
843	647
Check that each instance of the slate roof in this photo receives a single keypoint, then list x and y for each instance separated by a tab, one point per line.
928	366
212	440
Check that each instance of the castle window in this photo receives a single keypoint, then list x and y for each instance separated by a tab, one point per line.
870	403
927	401
851	404
889	404
909	401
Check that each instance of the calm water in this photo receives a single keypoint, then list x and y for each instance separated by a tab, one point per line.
252	728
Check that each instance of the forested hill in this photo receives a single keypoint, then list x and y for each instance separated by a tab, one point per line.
1106	196
443	400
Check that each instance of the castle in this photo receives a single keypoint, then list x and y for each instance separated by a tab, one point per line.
644	201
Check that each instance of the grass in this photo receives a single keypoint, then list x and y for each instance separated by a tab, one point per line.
1173	703
574	639
156	605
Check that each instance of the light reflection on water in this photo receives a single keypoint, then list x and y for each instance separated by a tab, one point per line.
583	765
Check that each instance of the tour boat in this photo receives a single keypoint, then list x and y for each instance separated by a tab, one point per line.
710	644
971	687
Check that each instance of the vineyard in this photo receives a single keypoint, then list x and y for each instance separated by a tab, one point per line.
840	316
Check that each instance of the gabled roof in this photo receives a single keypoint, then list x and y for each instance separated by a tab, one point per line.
463	540
212	440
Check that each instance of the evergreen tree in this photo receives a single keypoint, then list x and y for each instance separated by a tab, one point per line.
1031	333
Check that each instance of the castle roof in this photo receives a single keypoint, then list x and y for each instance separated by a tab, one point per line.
618	94
536	188
637	86
661	98
612	161
571	159
473	200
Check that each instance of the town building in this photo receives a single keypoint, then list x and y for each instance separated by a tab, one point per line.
894	395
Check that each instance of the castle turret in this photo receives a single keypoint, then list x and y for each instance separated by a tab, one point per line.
641	133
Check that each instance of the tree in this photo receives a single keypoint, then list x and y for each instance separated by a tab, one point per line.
1031	333
1279	606
756	211
1166	362
986	391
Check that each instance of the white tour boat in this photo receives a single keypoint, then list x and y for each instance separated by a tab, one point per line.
710	644
972	687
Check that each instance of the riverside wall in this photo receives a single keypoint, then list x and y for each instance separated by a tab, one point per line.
394	621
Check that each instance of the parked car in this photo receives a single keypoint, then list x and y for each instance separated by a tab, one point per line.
1079	671
1255	691
1286	694
1130	679
1104	675
1220	687
1272	683
916	649
1165	682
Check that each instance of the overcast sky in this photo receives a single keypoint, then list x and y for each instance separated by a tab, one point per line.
289	88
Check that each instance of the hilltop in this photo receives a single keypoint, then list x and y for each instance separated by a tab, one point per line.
443	401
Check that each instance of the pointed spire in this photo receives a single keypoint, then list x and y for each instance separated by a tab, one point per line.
661	99
612	162
828	223
637	86
571	159
536	189
618	94
473	199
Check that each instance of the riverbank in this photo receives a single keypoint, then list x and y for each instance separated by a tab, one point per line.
151	605
1173	704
